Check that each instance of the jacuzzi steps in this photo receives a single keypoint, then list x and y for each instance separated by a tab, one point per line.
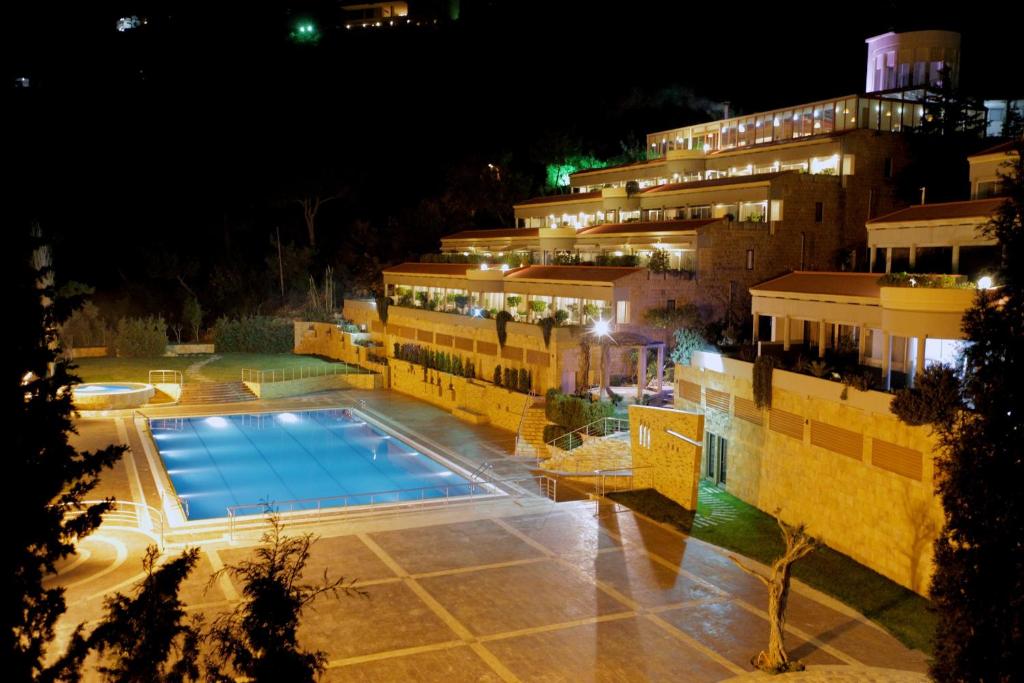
205	393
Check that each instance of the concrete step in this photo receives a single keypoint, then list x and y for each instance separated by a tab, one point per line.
195	393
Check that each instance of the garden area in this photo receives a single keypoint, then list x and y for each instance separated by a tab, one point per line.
219	367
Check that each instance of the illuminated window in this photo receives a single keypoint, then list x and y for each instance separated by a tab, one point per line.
622	312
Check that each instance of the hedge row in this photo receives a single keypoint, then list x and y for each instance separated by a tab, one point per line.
254	334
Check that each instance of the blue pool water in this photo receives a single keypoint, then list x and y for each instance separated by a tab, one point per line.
288	459
89	389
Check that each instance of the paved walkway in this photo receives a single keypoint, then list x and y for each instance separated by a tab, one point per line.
576	591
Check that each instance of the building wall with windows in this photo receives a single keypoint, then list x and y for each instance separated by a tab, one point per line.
858	477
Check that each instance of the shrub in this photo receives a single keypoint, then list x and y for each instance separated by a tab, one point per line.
546	325
686	315
573	412
659	261
85	327
511	379
561	317
513	302
382	308
762	380
687	340
538	306
500	326
497	375
254	334
140	337
934	399
819	368
525	381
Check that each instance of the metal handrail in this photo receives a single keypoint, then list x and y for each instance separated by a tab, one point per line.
608	425
343	503
620	473
152	521
301	372
175	375
530	397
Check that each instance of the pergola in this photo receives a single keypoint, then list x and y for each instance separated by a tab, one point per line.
631	340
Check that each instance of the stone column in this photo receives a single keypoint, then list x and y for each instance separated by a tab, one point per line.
785	333
822	326
888	259
913	255
956	258
757	320
919	361
871	259
661	367
886	360
862	343
641	372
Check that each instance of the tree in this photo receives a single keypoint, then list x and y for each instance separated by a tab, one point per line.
192	315
798	544
659	261
311	203
948	111
145	638
979	555
258	640
51	476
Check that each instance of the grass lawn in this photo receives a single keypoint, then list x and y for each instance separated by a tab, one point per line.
226	368
737	526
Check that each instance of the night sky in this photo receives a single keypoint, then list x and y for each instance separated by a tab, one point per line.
205	117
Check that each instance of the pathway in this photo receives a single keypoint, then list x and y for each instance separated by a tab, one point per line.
194	372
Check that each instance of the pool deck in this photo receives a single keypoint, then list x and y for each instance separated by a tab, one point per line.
574	591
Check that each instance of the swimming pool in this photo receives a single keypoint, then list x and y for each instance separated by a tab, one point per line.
294	461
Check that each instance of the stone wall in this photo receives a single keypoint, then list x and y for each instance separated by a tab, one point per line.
307	385
89	352
466	398
669	442
188	349
858	477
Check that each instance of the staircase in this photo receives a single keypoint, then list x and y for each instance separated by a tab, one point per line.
205	393
531	434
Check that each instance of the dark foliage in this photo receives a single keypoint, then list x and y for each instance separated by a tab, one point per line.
258	640
51	477
146	637
934	399
500	325
254	334
762	380
546	326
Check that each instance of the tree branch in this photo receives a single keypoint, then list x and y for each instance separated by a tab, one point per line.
748	570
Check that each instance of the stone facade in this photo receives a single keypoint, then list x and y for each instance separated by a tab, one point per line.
669	442
847	467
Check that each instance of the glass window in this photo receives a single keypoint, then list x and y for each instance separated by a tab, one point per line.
700	211
622	312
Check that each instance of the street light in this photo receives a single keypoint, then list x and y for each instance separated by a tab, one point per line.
601	328
985	282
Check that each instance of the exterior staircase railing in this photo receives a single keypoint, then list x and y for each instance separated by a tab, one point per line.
166	377
301	372
606	426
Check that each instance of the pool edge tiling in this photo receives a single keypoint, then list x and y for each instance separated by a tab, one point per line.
221	466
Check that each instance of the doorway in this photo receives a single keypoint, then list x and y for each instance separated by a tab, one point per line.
716	458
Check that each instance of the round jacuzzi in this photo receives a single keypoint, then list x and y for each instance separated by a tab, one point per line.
111	395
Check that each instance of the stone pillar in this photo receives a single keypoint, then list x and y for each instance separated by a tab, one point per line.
757	320
822	326
886	360
785	333
919	361
605	374
913	255
641	372
871	259
862	343
956	258
888	259
661	367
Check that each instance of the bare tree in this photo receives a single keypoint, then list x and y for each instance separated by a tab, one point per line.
798	544
311	203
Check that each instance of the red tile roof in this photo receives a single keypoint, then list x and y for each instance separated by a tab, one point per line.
498	233
414	268
572	273
824	283
732	180
1004	148
646	226
975	208
560	198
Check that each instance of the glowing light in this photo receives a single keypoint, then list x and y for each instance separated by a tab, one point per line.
504	267
465	253
601	328
288	418
218	422
985	282
484	266
478	312
743	129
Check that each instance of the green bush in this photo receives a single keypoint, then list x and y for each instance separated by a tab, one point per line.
254	334
525	381
573	412
497	375
140	337
688	340
935	399
85	327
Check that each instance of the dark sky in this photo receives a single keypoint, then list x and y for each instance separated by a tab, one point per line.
209	110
